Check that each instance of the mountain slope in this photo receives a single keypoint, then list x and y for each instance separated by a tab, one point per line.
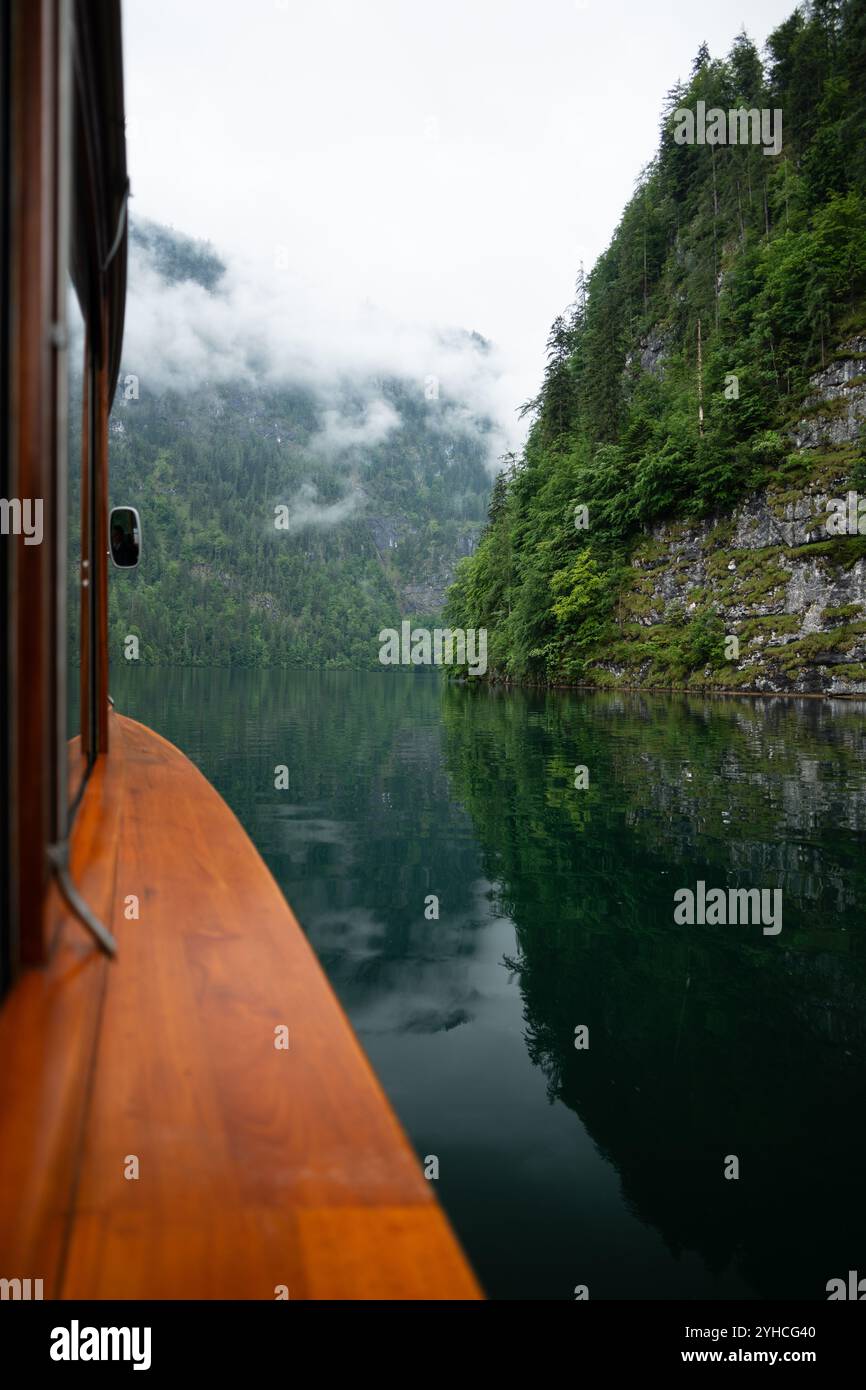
287	516
713	355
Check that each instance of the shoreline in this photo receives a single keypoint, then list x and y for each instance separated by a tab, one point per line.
678	690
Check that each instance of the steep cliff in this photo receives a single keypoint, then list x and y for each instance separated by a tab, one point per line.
686	512
777	573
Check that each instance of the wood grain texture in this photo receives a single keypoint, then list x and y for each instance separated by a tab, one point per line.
32	436
48	1031
258	1167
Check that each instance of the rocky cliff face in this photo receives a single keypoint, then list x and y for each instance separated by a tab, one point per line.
423	593
835	409
779	585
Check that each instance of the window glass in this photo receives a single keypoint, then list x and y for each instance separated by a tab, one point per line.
75	446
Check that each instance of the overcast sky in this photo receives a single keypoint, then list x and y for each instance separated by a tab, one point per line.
448	162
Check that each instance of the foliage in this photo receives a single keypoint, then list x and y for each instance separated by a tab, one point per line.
759	259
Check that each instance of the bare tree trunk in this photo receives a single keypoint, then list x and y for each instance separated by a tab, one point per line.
715	234
775	368
700	384
644	269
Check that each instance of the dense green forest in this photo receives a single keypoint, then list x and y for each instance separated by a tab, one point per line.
367	536
674	378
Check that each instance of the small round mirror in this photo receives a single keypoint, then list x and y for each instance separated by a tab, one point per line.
124	537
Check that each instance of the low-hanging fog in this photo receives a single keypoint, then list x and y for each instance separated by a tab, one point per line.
378	177
265	326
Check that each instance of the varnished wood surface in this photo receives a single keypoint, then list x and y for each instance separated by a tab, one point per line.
48	1030
32	438
257	1167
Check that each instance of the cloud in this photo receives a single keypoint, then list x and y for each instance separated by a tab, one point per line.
341	432
266	326
304	510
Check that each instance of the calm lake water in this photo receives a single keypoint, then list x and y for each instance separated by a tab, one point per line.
560	1166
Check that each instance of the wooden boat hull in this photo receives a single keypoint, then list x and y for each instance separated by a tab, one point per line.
178	1153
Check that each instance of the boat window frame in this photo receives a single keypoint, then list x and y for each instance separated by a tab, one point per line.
66	190
79	181
34	323
36	264
8	945
84	595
